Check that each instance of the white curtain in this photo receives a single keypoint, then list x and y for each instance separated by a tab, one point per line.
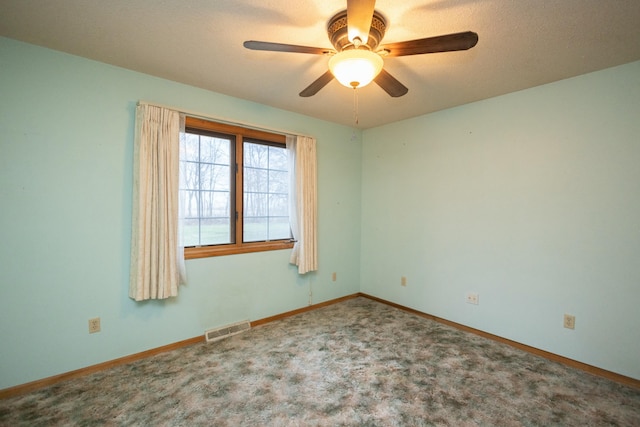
157	256
303	211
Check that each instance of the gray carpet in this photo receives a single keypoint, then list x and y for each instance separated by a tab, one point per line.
358	362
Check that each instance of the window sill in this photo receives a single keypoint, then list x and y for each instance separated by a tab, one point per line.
220	250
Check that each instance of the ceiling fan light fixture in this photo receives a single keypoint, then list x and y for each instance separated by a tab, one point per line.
355	68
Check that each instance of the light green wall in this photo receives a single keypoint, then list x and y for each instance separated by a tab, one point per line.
532	200
66	138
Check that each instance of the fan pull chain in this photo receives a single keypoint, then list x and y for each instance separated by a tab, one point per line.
355	104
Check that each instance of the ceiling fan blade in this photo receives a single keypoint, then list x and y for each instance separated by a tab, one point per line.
446	43
314	87
281	47
390	85
359	17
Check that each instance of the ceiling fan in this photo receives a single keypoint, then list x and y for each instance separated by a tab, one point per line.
356	34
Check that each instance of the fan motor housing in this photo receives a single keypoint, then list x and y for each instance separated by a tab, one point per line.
339	35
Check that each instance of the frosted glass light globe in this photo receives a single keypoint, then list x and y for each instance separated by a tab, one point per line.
355	68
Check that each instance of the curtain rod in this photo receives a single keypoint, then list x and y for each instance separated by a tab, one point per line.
220	119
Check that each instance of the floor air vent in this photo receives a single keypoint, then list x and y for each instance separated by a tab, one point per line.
227	331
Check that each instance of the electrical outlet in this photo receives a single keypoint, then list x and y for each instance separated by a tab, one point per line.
334	276
94	325
472	298
569	321
403	281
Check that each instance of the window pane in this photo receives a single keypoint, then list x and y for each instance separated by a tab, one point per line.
278	159
201	232
215	177
191	200
279	228
256	180
255	229
278	182
189	175
215	231
205	179
279	205
215	204
191	232
256	204
190	147
214	150
256	155
266	193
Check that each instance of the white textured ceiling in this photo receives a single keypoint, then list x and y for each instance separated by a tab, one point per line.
522	43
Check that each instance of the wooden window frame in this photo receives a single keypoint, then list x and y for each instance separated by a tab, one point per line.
239	247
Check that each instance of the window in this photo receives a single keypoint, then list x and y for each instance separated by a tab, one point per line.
234	186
